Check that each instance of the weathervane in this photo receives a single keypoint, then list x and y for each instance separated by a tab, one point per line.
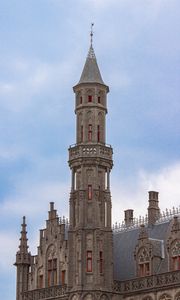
91	34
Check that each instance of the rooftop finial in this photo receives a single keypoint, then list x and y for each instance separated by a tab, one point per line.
91	34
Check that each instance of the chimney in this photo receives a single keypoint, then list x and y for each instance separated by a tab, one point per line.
128	217
52	212
153	208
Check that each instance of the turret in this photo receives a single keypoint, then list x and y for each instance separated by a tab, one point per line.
23	259
90	160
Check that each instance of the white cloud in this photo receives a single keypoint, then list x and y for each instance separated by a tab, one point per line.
8	250
165	181
33	199
34	78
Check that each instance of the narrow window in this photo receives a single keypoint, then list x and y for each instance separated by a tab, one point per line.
144	269
90	133
141	270
81	133
49	272
63	277
52	272
75	180
105	217
40	281
98	133
176	263
89	192
90	98
89	261
99	99
100	262
81	100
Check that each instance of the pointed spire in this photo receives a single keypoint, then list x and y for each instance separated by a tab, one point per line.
23	256
91	72
23	247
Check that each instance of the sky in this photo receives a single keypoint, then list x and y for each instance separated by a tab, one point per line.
43	47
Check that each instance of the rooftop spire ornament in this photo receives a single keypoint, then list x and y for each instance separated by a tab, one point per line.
91	34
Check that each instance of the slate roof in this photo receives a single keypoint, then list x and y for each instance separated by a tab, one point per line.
124	243
91	72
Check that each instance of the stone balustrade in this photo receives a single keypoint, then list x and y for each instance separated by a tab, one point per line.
89	151
46	293
148	283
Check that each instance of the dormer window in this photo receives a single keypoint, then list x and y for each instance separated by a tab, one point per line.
89	98
175	255
143	263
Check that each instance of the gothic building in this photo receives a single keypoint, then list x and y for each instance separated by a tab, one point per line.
86	258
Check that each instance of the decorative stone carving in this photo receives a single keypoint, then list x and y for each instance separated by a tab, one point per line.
177	297
88	297
165	297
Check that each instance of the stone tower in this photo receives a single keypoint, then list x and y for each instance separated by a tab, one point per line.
23	261
90	160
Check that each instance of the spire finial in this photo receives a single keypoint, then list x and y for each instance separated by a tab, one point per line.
91	34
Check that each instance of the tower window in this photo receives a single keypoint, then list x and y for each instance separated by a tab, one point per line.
90	98
81	133
100	262
89	133
81	100
99	99
98	133
89	261
89	192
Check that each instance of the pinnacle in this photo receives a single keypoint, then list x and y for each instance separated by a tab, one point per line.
23	247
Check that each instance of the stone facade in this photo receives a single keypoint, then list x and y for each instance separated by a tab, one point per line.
85	258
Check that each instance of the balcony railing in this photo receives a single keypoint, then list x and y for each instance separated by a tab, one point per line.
46	293
169	279
90	150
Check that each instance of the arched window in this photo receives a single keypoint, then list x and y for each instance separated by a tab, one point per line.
143	262
175	255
